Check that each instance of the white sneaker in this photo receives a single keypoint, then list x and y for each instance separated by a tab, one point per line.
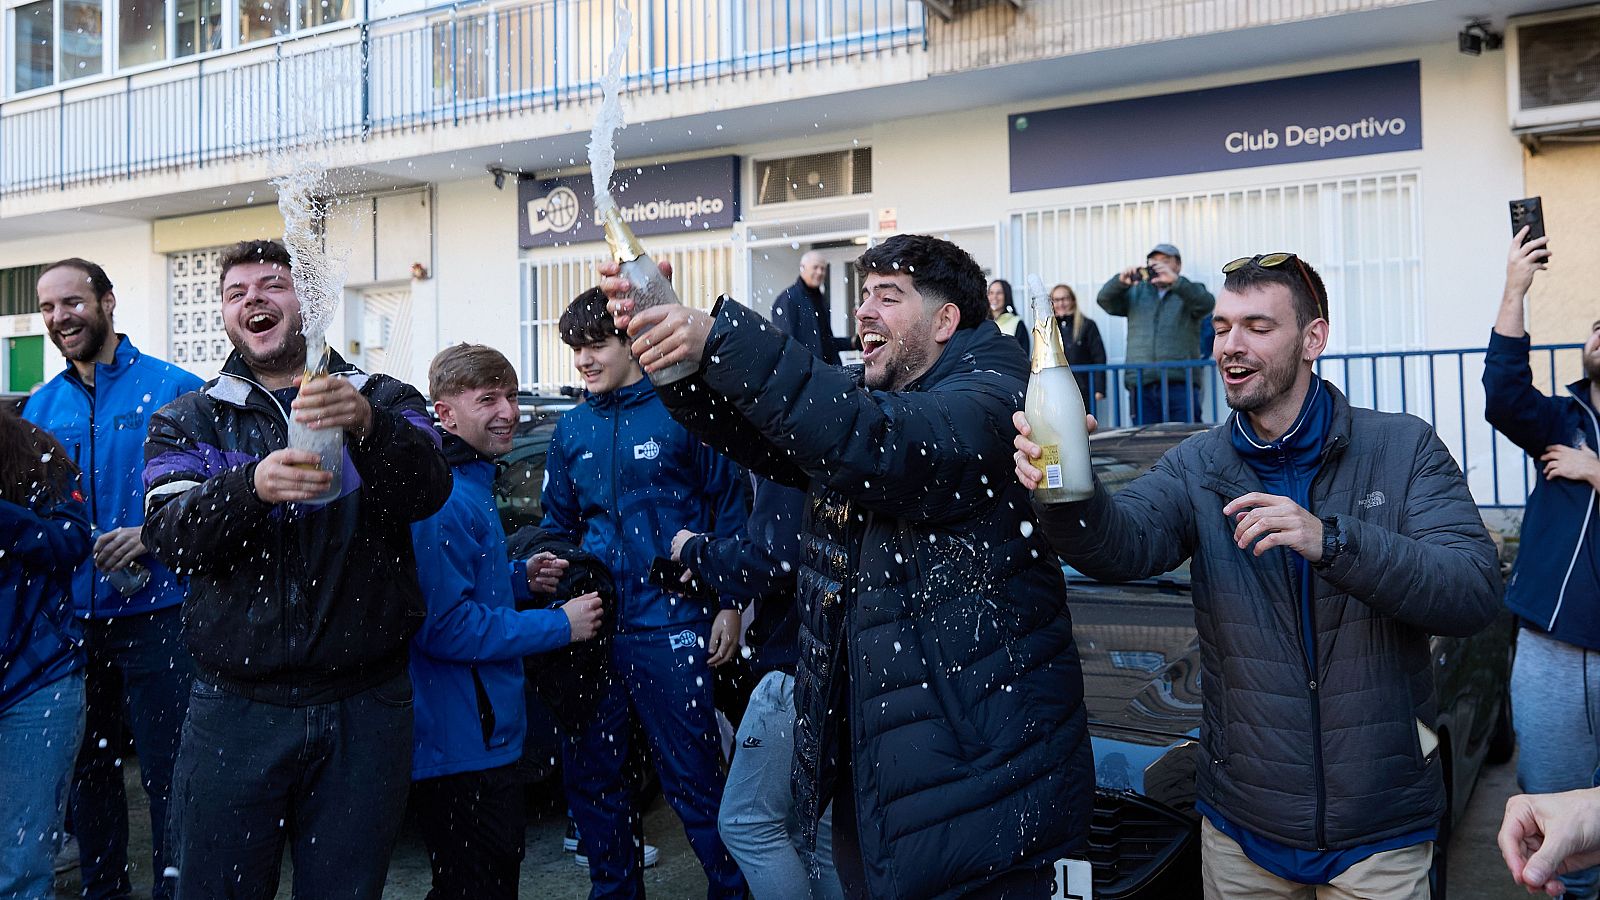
651	857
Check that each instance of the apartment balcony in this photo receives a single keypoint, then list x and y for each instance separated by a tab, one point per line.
421	74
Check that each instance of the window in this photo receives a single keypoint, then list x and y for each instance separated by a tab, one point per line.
33	50
141	32
82	42
17	294
325	12
199	26
262	19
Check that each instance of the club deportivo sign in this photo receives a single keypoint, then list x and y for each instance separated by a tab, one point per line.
1329	115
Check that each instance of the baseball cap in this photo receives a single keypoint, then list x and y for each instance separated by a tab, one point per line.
1165	250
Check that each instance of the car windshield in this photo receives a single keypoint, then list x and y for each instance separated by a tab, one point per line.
1123	455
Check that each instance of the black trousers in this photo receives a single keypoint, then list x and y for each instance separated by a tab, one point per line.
474	826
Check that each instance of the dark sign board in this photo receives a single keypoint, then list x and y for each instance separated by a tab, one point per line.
696	195
1353	112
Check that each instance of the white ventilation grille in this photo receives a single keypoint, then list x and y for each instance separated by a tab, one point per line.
814	176
1554	68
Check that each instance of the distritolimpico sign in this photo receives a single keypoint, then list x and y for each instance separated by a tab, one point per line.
1328	115
666	198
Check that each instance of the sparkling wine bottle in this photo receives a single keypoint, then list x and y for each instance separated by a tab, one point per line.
649	287
1054	407
327	443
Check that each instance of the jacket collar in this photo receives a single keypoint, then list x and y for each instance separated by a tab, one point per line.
458	452
1580	389
632	395
236	383
975	349
815	294
124	358
1226	469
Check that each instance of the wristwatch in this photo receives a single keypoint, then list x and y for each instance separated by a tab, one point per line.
1333	541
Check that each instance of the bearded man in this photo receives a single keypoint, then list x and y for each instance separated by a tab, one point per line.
1329	542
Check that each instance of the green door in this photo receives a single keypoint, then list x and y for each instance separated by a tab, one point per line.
24	362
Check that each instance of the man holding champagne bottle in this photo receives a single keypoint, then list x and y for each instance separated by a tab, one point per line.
934	625
1329	543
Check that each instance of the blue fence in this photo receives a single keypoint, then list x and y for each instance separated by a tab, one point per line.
1443	387
438	67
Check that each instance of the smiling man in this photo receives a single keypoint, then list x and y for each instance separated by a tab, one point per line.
137	677
939	699
622	479
1329	542
299	615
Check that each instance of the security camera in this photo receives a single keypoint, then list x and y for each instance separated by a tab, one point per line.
1477	37
499	176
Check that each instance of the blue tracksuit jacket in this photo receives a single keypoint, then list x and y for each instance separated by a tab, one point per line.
40	641
466	661
622	477
104	430
1555	585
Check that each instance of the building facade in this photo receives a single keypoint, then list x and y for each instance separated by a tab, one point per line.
1062	137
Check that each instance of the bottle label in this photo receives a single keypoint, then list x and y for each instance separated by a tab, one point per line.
1050	461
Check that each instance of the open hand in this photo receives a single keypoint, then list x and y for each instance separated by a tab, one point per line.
584	615
289	476
1268	521
1576	464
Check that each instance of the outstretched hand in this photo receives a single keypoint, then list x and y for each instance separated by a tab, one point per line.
1547	835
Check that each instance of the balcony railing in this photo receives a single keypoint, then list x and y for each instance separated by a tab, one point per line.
439	67
1442	387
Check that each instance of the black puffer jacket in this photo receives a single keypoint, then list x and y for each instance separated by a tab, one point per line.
1331	759
292	604
933	614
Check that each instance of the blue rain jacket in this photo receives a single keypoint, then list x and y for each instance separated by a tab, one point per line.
466	661
104	430
622	478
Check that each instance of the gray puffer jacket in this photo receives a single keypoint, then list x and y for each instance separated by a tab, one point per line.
1330	759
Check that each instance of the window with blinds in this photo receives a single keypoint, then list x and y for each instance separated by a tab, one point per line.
700	273
18	296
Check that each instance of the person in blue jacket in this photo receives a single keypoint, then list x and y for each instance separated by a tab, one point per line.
138	673
466	661
1555	585
621	480
44	531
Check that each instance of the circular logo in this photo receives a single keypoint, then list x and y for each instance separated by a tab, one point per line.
561	210
1022	123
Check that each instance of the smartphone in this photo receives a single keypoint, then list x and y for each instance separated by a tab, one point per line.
667	575
1146	273
1529	212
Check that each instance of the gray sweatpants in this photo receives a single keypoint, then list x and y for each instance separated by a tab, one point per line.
757	820
1555	707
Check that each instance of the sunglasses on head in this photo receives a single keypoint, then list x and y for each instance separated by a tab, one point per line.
1274	260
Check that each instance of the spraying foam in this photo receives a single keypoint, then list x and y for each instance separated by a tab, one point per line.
602	150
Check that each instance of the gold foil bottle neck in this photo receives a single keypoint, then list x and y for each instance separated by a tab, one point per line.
619	237
1048	351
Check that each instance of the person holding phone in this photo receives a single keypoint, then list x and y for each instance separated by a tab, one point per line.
1164	311
621	480
1557	575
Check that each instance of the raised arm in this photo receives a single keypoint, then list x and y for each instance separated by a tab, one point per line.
1512	404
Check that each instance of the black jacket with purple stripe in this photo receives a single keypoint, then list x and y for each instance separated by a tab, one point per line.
292	604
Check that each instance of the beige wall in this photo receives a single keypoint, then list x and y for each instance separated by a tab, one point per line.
1564	302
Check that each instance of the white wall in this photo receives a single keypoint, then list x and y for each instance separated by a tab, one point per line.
138	276
476	296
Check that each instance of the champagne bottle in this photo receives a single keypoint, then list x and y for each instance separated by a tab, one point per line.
649	287
1054	407
327	443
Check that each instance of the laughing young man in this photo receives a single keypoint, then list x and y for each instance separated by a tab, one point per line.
137	677
622	480
1329	542
299	614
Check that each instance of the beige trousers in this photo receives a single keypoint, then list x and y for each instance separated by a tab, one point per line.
1392	875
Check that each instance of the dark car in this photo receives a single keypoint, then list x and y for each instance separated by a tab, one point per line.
520	481
1141	673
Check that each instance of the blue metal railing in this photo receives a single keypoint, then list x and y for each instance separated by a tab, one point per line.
437	67
1442	387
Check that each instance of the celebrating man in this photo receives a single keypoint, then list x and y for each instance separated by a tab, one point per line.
1329	542
300	613
939	697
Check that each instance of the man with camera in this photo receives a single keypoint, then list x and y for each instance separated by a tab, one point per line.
1164	311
